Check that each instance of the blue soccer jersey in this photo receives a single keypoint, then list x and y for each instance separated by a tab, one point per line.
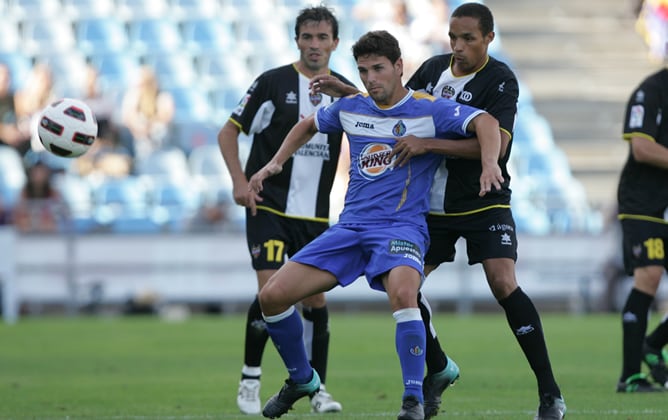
378	192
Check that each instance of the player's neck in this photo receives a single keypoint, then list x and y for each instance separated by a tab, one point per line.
309	73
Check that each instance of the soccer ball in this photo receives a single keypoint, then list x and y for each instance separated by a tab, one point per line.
67	128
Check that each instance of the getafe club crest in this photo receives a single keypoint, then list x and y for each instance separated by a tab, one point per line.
399	129
315	98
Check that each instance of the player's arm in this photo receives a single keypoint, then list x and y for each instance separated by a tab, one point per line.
649	152
228	141
331	85
298	136
409	146
487	131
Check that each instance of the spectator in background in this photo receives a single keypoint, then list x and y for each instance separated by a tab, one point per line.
642	197
107	157
11	133
39	202
419	25
147	112
37	93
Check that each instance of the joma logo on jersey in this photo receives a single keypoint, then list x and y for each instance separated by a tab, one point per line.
374	160
364	124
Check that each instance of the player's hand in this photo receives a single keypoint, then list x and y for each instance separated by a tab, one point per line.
329	85
255	184
491	177
405	148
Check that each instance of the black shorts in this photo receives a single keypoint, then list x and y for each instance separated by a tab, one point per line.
644	244
488	234
271	237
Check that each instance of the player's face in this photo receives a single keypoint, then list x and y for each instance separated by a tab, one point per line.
316	43
381	78
469	46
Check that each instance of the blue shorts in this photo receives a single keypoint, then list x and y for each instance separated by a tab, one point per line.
349	251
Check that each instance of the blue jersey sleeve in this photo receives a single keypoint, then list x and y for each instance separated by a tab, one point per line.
327	118
452	118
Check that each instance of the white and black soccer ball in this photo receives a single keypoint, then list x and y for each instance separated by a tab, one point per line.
67	128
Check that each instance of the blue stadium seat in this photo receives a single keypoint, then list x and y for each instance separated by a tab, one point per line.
165	165
190	104
10	38
185	9
32	9
175	204
115	70
47	36
101	35
12	176
77	193
19	67
207	34
140	9
173	69
86	9
121	206
188	135
152	35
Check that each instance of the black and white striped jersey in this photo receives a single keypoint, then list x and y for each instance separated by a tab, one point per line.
274	103
493	88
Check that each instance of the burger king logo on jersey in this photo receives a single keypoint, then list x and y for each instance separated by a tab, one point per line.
375	159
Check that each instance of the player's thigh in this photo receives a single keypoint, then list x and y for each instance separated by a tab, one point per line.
442	240
291	284
489	235
401	285
644	245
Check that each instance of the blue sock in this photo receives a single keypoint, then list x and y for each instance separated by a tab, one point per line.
410	340
285	330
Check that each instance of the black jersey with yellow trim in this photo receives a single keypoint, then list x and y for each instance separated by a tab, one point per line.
493	88
643	188
277	100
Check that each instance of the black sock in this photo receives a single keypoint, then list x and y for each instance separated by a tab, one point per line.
319	317
525	322
435	356
634	328
658	338
256	335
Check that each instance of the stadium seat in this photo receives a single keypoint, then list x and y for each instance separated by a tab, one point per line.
174	204
19	67
190	104
189	135
70	70
32	9
173	69
77	193
207	34
224	100
47	36
121	206
12	176
152	35
86	9
217	70
116	70
140	9
165	165
10	39
100	35
186	9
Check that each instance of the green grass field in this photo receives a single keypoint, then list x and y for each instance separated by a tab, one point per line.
145	368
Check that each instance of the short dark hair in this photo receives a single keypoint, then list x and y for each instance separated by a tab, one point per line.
477	11
317	14
380	43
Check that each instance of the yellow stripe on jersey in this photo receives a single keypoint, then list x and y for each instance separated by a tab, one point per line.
310	219
466	213
625	216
